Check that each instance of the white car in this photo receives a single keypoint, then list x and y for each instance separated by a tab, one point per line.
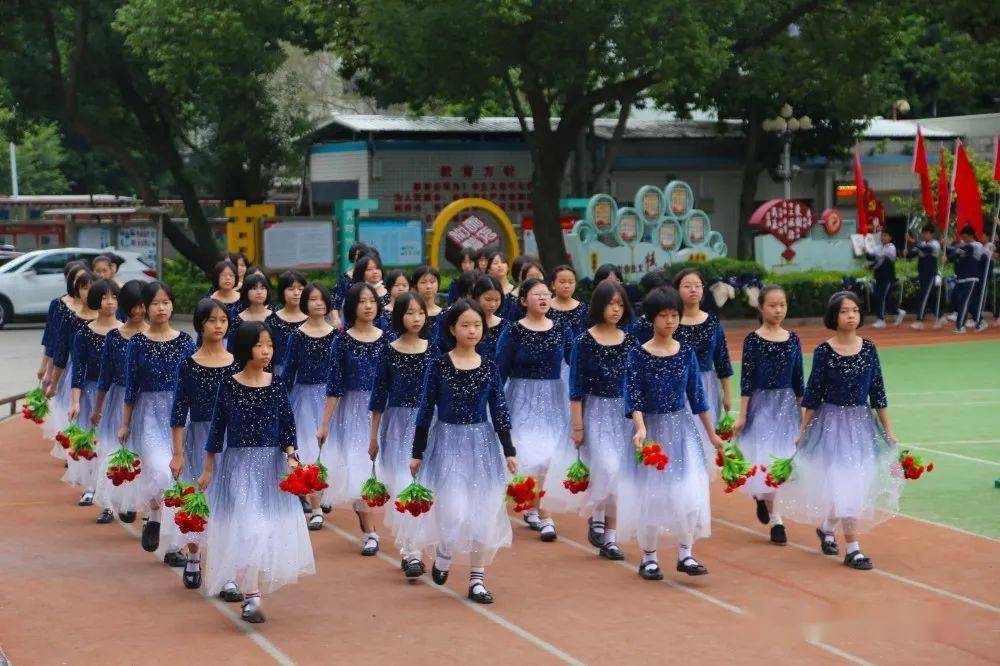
29	282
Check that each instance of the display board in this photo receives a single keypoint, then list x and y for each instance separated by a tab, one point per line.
298	244
400	242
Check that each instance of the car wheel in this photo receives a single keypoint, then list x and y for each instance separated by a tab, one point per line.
6	312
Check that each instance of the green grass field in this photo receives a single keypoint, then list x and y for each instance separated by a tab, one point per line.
945	401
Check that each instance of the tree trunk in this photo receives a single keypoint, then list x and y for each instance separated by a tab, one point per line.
550	163
748	189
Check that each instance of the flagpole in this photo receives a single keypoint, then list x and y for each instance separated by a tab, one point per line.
947	224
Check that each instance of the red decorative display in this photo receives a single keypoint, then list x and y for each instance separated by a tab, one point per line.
785	219
831	221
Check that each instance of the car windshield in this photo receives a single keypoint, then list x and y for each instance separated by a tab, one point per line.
13	264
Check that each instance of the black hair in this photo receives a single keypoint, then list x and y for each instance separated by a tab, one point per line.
467	253
218	269
458	308
234	259
967	230
422	271
492	254
765	290
81	278
833	309
254	270
604	271
600	299
559	269
253	280
486	283
204	310
684	273
71	278
361	265
150	289
464	283
98	290
526	286
660	299
517	266
358	249
390	278
652	280
530	263
400	307
289	278
109	257
130	296
70	265
246	337
307	292
929	228
353	298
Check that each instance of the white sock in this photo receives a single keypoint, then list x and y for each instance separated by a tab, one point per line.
317	511
230	586
442	561
828	526
649	556
154	515
609	536
252	599
547	522
371	535
477	576
683	552
775	519
192	565
531	515
852	546
597	516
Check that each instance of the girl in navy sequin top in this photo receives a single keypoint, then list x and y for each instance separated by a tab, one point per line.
846	469
346	281
287	320
661	379
566	309
306	370
60	381
460	456
397	283
58	309
488	293
530	355
255	305
224	287
770	391
497	267
425	281
256	535
393	403
354	362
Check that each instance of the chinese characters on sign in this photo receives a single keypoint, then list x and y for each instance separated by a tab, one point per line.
785	219
471	233
498	183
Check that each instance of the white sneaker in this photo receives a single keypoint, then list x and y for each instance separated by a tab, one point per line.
900	316
940	322
982	326
960	331
879	323
970	324
917	326
952	317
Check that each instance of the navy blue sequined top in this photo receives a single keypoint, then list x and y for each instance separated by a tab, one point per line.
576	318
432	330
641	329
771	365
112	361
846	381
344	284
307	360
596	369
197	386
659	384
487	347
709	343
87	349
384	322
57	310
526	354
151	366
353	364
399	380
234	325
246	416
70	325
281	331
510	307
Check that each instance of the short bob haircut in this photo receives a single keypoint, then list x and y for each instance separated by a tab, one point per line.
235	257
527	286
601	298
83	278
653	280
487	283
400	307
660	299
251	281
246	337
307	292
604	271
109	258
219	268
833	309
71	274
467	253
393	276
150	289
353	299
70	265
530	263
518	264
465	282
493	254
684	273
421	272
289	278
559	269
358	249
98	290
459	307
361	265
130	296
204	310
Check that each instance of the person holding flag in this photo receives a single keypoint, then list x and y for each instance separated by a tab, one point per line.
926	252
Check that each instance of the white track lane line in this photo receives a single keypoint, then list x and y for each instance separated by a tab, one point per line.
917	405
478	608
939	392
267	646
880	572
813	636
948	527
981	461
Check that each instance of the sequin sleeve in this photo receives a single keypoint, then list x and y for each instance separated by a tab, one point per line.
335	380
816	388
498	403
132	370
695	391
429	394
634	398
64	341
567	347
220	420
290	364
380	390
107	365
49	325
182	398
747	366
876	392
79	353
797	372
720	358
505	352
576	361
286	420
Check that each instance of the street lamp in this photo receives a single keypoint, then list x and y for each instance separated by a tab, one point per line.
900	108
784	125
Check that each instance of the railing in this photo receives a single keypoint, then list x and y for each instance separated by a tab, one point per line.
12	401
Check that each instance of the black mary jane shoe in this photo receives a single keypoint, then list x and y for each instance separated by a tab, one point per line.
192	579
175	559
535	524
691	567
857	560
483	597
763	515
413	568
827	546
252	614
611	551
438	576
370	548
595	538
778	535
231	596
86	499
105	517
315	522
325	508
127	516
150	536
650	571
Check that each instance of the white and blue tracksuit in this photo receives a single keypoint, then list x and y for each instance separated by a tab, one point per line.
882	262
968	273
926	253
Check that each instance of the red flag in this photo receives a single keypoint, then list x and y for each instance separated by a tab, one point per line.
920	168
996	158
859	195
943	197
968	204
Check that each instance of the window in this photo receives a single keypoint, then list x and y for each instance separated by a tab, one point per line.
51	263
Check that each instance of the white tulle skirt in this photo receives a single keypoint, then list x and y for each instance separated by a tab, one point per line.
464	467
58	417
81	472
255	535
844	469
773	421
673	501
124	497
710	385
150	436
395	435
195	438
346	452
308	402
539	415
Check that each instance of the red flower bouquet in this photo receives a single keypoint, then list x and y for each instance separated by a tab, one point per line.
193	515
374	493
577	477
174	496
734	468
414	499
913	465
724	427
781	470
651	455
523	491
305	479
36	405
82	443
123	466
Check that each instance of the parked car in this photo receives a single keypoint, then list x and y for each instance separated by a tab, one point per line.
29	282
8	253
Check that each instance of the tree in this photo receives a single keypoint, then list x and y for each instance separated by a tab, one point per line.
40	157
